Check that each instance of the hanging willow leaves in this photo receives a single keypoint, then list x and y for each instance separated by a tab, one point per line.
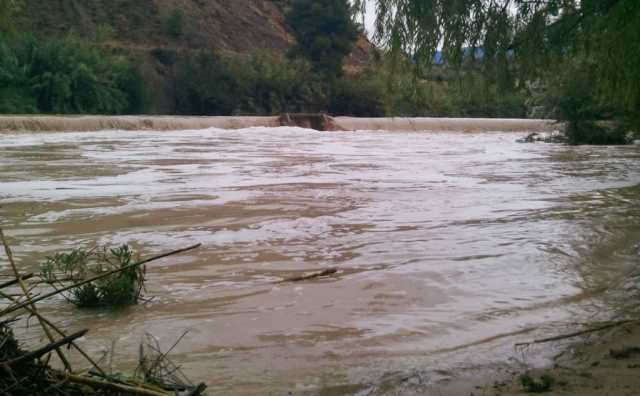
527	39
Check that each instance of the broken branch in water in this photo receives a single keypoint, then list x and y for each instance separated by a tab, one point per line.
15	281
106	274
104	385
30	373
577	333
57	330
27	295
46	349
327	272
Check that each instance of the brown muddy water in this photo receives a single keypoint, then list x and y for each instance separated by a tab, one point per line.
450	246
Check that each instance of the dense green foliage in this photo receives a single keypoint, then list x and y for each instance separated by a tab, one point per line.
446	92
357	96
527	41
7	10
119	289
64	77
324	31
570	94
176	23
559	59
263	84
534	385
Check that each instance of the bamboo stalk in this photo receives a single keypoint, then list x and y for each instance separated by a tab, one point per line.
15	281
46	349
97	384
106	274
60	332
27	295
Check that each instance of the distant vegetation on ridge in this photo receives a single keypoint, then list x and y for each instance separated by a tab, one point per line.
250	57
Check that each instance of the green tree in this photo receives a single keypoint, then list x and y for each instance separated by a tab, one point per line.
71	77
525	41
176	23
7	10
66	76
16	96
325	32
206	86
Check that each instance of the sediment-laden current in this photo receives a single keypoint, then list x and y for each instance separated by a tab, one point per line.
450	246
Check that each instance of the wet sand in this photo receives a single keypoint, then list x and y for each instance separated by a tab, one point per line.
603	363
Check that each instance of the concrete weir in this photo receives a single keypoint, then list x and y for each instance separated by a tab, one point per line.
316	121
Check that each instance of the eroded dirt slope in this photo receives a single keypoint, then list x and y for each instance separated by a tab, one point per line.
140	27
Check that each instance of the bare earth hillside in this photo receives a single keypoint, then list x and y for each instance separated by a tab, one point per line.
138	27
238	25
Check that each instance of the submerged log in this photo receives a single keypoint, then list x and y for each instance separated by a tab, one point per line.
15	281
46	349
327	272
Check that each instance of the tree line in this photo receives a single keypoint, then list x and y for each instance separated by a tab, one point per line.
570	60
576	59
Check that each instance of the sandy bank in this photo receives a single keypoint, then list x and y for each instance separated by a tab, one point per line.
605	363
168	123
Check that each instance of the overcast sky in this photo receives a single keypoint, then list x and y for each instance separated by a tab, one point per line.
370	18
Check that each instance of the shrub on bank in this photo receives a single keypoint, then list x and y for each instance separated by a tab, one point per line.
15	90
261	84
272	85
571	96
66	77
357	96
206	86
176	23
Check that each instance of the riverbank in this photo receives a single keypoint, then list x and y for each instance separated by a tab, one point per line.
605	363
10	123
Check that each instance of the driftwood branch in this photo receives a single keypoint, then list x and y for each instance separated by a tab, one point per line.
16	280
98	384
577	333
57	330
27	295
327	272
199	390
95	278
46	349
27	301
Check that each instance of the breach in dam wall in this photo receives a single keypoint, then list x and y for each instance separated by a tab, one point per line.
315	121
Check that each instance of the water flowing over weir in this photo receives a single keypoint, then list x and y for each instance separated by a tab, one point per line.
315	121
449	247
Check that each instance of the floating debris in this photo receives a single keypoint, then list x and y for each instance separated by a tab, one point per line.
29	372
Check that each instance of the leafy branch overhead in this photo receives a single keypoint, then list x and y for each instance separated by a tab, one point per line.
530	39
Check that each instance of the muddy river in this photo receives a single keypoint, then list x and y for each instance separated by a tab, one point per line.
450	247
